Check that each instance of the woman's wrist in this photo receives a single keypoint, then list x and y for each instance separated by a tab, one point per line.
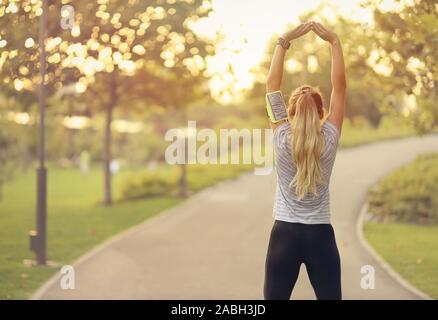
335	41
286	36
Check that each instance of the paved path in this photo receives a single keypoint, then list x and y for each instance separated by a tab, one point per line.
213	246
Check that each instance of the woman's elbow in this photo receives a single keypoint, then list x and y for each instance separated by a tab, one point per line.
272	85
344	82
341	84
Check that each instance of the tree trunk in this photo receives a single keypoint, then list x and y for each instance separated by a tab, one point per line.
183	181
108	199
107	155
183	173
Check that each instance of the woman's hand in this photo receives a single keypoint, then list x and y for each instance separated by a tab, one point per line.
299	31
323	32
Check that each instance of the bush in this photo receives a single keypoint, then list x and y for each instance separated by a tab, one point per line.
164	180
202	176
149	184
358	131
409	194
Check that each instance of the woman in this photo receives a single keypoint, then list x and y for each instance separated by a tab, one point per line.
305	148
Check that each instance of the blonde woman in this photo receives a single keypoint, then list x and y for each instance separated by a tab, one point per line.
305	149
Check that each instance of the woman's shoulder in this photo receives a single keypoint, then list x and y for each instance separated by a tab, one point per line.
281	129
283	126
330	127
281	134
330	132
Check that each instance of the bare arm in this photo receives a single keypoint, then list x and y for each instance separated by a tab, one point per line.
275	74
339	83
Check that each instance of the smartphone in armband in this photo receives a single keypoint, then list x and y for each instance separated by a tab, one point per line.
275	106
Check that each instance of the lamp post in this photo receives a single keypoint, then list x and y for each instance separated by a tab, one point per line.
38	238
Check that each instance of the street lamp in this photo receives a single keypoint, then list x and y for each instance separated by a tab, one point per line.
38	238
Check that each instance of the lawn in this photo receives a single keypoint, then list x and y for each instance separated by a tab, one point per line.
405	204
408	194
412	250
76	223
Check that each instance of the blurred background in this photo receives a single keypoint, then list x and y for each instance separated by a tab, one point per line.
119	74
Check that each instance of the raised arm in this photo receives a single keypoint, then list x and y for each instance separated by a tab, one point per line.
275	74
339	83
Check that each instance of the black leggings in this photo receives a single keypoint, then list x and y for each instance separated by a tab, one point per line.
312	244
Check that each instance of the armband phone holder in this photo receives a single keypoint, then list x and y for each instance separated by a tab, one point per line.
276	107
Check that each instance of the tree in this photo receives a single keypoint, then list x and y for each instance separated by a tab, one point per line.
407	40
19	60
8	147
139	55
115	52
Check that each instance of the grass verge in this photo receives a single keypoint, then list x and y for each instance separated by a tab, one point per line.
412	250
405	203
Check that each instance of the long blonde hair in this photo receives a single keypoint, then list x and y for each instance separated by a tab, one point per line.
305	113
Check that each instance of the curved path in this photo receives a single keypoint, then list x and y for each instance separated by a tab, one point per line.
213	246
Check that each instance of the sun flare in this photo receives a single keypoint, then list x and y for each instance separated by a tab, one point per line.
248	25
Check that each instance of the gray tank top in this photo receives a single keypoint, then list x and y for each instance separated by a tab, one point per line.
310	209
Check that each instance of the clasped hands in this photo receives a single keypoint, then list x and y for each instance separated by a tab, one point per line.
316	27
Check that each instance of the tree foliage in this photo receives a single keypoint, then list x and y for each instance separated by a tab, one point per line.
408	39
386	60
112	53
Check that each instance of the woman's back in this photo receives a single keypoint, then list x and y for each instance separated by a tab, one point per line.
302	233
311	209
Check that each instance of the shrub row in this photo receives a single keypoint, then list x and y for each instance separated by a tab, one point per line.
409	194
164	180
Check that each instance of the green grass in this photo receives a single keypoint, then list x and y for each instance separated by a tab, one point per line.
76	223
361	132
165	179
412	250
407	200
408	194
